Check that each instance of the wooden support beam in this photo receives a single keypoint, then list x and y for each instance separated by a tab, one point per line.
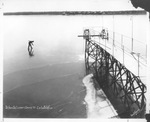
110	72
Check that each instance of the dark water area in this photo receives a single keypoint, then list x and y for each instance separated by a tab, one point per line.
47	82
58	96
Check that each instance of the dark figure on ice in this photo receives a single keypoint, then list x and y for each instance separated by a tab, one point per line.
30	48
30	44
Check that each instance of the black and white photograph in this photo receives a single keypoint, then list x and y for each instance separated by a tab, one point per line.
75	60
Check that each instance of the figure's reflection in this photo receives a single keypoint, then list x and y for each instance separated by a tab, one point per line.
30	48
31	52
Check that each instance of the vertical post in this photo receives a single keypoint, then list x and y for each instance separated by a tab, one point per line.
86	37
96	73
122	47
113	43
99	40
113	37
148	69
107	68
123	53
86	60
142	101
132	45
121	40
132	32
138	54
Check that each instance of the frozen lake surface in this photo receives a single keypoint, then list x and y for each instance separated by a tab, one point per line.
49	84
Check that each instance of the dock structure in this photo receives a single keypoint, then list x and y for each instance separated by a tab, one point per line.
124	89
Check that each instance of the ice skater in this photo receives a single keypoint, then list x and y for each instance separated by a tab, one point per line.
30	44
30	48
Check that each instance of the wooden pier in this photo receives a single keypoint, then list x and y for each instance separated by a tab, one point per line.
125	90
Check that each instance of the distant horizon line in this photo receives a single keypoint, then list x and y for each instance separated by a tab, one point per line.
125	12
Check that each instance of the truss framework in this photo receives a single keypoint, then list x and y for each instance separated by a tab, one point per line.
110	73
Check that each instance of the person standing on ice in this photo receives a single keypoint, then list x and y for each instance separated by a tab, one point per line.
30	48
30	44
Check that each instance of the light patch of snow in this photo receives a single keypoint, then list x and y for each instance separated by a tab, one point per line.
98	106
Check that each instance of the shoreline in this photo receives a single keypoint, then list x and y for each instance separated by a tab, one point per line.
97	103
67	13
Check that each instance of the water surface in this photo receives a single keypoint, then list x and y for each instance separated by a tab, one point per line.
49	84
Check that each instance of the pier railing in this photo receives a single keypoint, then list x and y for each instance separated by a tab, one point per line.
128	48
